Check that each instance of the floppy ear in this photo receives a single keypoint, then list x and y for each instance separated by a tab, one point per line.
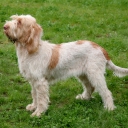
34	39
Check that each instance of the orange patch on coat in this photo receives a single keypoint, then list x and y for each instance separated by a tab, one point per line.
55	57
102	49
80	42
33	43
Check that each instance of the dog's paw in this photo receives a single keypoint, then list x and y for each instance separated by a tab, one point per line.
30	107
110	107
82	97
36	113
79	96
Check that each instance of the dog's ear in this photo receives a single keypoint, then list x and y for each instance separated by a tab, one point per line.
34	39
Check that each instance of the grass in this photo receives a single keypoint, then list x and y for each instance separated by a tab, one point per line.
102	21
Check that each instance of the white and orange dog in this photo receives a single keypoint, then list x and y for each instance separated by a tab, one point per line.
43	63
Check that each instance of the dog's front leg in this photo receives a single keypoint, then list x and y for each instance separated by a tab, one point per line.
42	95
33	105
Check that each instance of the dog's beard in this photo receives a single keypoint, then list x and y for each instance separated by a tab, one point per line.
13	40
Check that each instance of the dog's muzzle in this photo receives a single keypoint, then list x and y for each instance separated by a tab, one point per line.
13	40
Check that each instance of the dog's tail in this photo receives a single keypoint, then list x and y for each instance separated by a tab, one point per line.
118	71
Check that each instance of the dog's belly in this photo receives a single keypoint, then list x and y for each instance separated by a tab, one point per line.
63	73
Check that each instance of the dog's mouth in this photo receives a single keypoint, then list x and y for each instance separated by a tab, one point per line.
13	40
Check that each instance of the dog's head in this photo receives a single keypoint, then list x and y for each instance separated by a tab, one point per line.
24	29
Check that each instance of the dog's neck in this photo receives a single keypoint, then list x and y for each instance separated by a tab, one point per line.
29	48
21	48
20	45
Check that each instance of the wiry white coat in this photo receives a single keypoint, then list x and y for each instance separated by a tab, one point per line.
43	63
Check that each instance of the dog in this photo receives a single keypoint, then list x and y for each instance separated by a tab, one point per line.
43	63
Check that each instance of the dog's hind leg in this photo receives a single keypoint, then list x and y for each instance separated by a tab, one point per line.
97	80
87	87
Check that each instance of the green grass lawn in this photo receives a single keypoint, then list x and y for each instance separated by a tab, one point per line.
102	21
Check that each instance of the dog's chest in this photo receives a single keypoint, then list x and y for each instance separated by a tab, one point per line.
31	67
24	68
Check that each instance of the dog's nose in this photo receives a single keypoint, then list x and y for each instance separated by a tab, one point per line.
6	27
